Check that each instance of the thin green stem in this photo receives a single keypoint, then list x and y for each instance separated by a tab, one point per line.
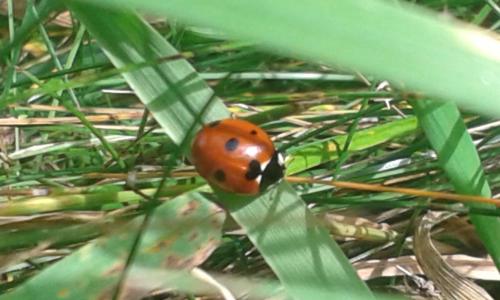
71	106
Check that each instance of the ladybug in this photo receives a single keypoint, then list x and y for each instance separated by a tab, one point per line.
236	156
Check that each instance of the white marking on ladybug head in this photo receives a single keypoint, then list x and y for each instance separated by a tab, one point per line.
263	165
281	160
258	179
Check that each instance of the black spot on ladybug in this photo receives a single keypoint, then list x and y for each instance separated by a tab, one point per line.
219	175
213	124
253	132
231	144
253	170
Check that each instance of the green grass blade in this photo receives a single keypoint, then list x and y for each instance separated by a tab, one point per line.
182	233
447	60
297	247
318	252
172	90
90	201
310	155
446	131
30	23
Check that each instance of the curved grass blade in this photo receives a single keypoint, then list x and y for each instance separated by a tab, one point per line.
451	284
447	59
457	155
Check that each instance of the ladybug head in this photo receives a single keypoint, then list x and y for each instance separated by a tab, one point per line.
273	171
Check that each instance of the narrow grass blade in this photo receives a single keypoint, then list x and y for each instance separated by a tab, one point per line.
30	23
91	201
310	155
447	133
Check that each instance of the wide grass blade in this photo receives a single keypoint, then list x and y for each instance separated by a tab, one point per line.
448	60
447	133
171	89
181	234
295	245
318	259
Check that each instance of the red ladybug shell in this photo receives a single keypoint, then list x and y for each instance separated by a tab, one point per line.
237	156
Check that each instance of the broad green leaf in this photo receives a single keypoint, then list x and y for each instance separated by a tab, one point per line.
447	133
414	48
181	233
310	155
